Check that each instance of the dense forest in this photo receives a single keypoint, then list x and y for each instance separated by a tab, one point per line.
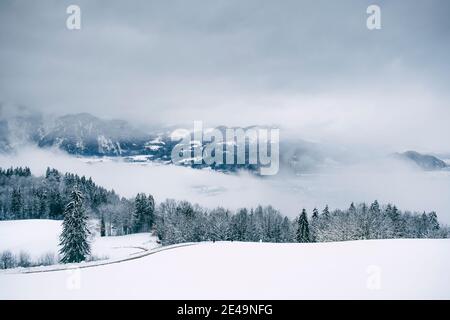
183	222
23	196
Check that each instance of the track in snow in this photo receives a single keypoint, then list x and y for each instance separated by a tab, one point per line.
60	267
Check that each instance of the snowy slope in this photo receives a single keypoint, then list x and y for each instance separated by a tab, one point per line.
361	269
38	237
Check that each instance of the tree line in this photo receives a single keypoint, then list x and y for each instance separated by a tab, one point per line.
181	221
24	196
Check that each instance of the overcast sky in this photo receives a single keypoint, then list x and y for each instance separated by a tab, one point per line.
311	67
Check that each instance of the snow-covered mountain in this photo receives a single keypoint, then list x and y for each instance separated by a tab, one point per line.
80	134
424	161
89	136
84	134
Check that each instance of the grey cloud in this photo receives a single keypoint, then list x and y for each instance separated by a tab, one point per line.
311	66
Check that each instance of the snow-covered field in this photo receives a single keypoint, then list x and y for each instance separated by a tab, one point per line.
380	269
39	237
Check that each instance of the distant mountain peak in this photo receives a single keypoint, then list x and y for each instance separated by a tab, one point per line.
424	161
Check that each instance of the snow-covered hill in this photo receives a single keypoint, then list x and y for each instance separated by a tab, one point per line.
41	237
381	269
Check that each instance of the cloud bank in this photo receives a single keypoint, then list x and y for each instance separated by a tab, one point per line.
311	67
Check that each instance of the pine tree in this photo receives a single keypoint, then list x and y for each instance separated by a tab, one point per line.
143	216
375	207
16	204
433	221
239	224
423	225
138	214
326	212
303	228
56	205
74	237
315	214
352	208
150	211
314	225
286	235
102	227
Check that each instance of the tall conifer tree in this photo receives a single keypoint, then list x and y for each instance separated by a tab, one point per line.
303	228
74	237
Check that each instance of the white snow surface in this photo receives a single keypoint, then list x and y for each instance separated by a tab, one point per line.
38	237
376	269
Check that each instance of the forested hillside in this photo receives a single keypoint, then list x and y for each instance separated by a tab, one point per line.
24	196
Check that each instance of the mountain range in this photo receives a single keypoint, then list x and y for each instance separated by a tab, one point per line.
89	136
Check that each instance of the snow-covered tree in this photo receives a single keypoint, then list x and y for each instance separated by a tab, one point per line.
433	222
314	225
102	227
303	228
143	216
352	208
74	237
286	230
239	224
7	260
219	222
326	212
17	203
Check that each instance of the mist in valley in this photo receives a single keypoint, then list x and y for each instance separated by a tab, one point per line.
385	179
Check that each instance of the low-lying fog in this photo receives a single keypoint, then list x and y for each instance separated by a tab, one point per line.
385	180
